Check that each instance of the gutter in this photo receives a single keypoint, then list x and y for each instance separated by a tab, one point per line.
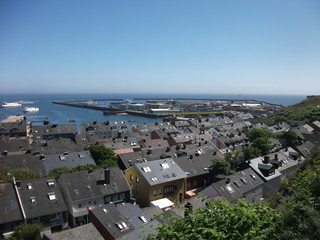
19	199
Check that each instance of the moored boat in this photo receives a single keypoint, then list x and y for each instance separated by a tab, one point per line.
10	105
30	109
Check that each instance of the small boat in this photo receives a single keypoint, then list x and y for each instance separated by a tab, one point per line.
25	102
72	120
10	105
30	109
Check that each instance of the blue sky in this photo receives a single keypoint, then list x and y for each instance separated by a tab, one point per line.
167	46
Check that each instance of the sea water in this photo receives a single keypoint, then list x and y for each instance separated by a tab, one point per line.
57	113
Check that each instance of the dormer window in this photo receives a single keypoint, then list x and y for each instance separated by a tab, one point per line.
143	219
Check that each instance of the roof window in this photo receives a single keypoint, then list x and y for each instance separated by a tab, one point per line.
52	196
51	183
143	219
146	169
229	189
29	186
237	184
76	191
164	165
245	181
33	200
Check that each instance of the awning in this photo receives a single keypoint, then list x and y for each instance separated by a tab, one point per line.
162	203
191	193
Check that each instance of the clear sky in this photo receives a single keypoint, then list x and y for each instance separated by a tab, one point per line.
165	46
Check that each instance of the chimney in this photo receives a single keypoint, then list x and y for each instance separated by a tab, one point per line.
188	208
276	157
149	151
168	149
5	153
42	156
184	146
191	156
266	159
228	180
107	175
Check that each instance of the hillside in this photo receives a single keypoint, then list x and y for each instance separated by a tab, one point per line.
307	110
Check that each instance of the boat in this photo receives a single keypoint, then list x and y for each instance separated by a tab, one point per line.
25	102
30	109
10	105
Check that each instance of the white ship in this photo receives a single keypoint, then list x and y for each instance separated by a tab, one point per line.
30	109
10	105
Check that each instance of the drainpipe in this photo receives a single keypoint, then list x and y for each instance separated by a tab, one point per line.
19	199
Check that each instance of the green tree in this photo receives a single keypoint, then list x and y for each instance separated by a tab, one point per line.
262	144
26	231
4	174
259	133
291	138
220	166
103	156
57	172
250	152
234	158
222	221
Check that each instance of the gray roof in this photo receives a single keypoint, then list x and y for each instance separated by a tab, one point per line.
53	129
9	205
89	184
84	232
67	159
25	161
114	222
160	171
237	185
41	197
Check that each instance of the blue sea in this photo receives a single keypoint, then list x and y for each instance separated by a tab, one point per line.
63	114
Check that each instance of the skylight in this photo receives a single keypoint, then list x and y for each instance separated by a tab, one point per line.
245	181
146	169
29	185
76	191
51	183
143	219
164	165
229	189
33	200
52	196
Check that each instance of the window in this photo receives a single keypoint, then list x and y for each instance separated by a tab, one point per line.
131	177
55	217
80	205
107	199
29	186
51	183
245	181
121	196
155	193
237	184
95	202
33	200
122	226
169	189
160	191
52	196
143	219
137	179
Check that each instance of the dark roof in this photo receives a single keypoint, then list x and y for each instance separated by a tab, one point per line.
25	161
91	184
67	159
237	185
9	205
53	129
84	232
41	197
111	219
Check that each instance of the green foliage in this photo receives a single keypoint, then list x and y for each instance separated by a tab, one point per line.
299	202
6	174
57	172
290	138
250	152
307	111
220	166
103	156
234	158
26	231
262	144
255	133
222	220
